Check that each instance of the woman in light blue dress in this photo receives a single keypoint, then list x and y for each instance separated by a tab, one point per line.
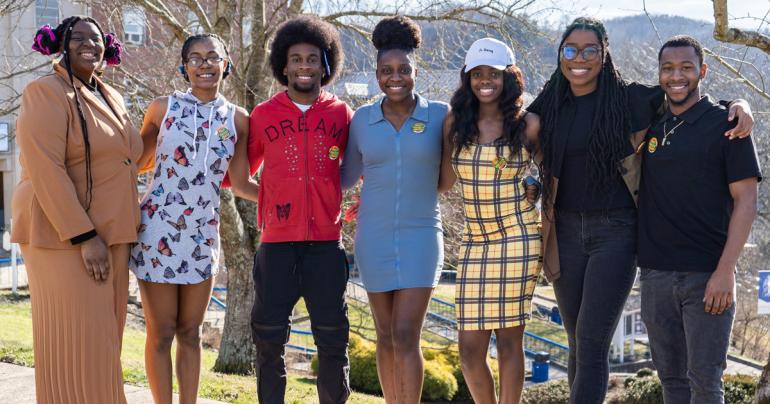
395	143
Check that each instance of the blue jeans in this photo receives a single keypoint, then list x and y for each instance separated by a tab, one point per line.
597	258
689	346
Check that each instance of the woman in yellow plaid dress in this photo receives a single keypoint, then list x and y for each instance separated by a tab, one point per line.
488	139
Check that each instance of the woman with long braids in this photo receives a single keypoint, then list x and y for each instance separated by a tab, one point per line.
75	214
191	139
592	124
396	144
489	144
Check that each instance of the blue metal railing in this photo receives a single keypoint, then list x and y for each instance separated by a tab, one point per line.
535	343
218	302
305	342
443	322
442	309
7	261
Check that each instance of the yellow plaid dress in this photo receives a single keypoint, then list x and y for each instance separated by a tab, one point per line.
500	256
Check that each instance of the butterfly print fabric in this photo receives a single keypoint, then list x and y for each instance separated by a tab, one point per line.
179	234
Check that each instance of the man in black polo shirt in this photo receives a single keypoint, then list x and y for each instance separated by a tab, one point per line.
696	207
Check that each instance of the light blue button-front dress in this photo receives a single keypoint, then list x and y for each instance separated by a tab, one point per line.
399	240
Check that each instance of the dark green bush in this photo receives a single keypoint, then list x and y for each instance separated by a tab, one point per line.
740	389
552	392
642	390
644	372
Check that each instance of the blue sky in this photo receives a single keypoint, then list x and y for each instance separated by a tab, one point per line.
744	13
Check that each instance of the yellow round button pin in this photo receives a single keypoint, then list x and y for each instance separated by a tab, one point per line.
418	127
334	152
223	133
652	145
499	163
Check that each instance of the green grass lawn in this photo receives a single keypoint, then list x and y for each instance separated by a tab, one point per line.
546	292
445	292
361	323
16	347
545	329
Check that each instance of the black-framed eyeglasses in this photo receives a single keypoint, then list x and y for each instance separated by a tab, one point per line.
198	62
589	53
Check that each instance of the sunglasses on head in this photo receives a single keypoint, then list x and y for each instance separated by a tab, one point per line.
589	53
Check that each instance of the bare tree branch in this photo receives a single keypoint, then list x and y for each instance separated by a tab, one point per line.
722	31
657	33
12	103
10	6
25	71
295	7
159	9
200	13
741	77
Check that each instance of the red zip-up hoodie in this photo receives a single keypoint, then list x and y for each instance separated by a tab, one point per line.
299	192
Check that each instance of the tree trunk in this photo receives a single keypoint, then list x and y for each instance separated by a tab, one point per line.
762	395
239	241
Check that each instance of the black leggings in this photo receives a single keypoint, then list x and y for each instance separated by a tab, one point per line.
597	256
284	272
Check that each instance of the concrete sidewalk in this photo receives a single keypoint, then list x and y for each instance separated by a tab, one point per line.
17	385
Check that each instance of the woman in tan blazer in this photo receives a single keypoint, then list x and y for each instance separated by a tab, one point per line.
75	212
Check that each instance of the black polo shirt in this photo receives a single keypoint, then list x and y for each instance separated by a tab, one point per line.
570	148
684	198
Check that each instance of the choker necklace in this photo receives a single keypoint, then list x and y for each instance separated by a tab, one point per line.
670	132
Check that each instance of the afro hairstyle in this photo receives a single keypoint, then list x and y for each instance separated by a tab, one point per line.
310	30
397	32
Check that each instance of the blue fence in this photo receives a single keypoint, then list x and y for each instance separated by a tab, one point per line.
442	309
7	261
441	321
535	343
302	340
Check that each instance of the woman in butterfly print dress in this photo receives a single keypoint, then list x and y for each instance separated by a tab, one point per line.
190	140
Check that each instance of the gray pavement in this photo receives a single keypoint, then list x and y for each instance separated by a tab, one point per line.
17	385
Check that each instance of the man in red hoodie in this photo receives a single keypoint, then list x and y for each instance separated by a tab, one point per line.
299	136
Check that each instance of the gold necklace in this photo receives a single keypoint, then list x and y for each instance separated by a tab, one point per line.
667	133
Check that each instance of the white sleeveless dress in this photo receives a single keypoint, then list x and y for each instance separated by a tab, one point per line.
179	233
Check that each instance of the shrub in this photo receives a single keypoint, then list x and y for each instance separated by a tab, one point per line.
552	392
645	372
463	393
642	390
363	366
740	389
440	383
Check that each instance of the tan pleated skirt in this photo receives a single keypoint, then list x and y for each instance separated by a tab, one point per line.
77	326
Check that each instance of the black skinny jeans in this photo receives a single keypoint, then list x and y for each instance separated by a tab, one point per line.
284	272
597	253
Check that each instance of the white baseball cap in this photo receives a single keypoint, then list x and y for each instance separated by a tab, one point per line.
489	52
